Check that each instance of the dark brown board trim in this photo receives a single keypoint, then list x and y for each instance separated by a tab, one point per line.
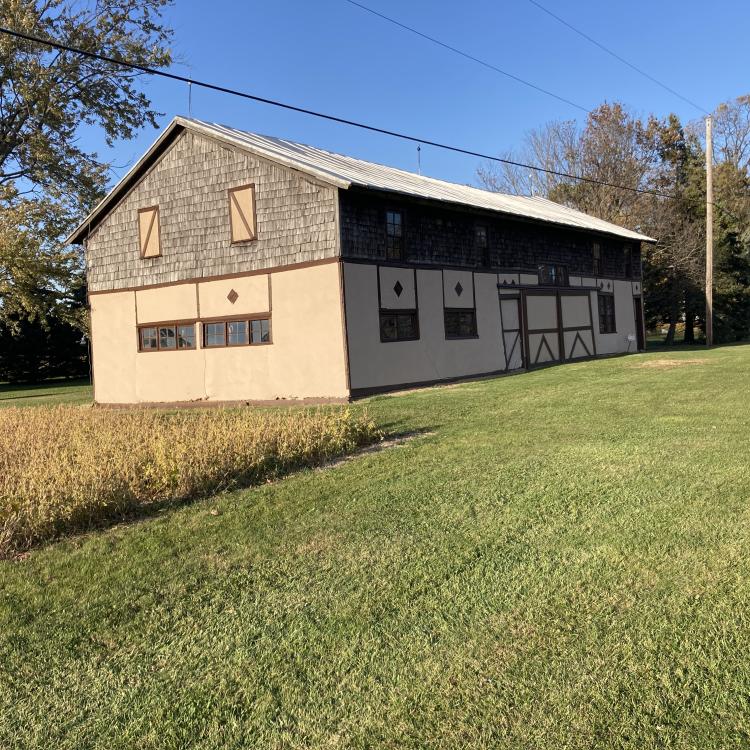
221	277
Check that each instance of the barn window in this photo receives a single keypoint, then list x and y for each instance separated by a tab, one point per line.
394	247
237	333
243	332
242	213
398	325
166	337
460	323
628	262
551	274
149	240
261	331
597	253
607	323
481	243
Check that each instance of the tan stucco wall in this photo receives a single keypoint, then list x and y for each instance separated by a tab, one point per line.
166	303
375	364
305	360
617	343
114	346
252	296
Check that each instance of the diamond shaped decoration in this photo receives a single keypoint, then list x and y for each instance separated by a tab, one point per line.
233	296
398	288
459	289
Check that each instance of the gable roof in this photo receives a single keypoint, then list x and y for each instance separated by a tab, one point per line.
345	172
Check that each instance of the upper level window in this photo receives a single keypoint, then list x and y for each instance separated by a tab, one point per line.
149	240
166	337
628	262
482	244
597	253
551	274
242	213
394	247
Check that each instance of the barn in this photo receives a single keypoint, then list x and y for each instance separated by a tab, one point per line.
229	266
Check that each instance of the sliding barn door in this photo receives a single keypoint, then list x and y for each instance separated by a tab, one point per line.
542	328
577	326
510	315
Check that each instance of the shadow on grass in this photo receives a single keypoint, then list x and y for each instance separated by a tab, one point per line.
48	386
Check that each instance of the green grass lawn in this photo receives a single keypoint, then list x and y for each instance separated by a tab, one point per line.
47	393
561	559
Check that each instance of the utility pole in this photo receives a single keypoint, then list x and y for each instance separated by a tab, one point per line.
709	234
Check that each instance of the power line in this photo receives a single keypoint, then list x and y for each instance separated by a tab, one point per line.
467	55
616	56
321	115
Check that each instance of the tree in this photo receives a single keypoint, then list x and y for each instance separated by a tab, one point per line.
663	156
47	180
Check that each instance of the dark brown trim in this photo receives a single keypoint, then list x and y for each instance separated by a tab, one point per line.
156	218
639	329
235	318
251	231
344	325
591	318
494	270
171	322
222	277
577	338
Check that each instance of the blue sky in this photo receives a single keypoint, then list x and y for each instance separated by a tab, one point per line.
331	56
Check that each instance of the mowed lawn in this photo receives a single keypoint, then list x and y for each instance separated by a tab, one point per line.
559	559
48	393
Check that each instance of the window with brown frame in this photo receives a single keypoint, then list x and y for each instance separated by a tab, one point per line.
607	322
551	274
399	325
597	257
243	332
460	323
394	240
149	237
242	221
481	243
166	337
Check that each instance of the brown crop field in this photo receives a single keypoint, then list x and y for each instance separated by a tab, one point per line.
70	468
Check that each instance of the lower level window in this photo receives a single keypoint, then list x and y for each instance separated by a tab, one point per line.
401	325
460	324
607	322
237	332
166	337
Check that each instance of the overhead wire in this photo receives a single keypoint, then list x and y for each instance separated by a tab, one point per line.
321	115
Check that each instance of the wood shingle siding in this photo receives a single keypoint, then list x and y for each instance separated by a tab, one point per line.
296	219
440	235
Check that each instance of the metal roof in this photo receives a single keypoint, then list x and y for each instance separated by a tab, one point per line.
345	171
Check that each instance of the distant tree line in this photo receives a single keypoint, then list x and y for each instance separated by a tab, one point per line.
666	156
